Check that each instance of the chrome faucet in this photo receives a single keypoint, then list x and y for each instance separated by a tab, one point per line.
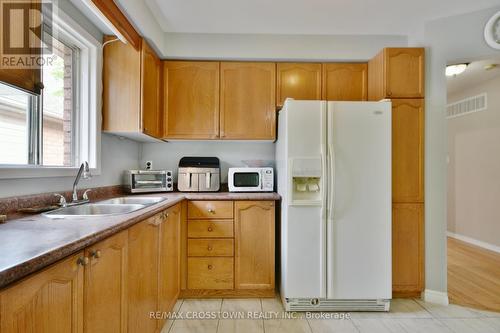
84	172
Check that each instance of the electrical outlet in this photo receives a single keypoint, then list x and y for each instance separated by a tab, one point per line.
149	165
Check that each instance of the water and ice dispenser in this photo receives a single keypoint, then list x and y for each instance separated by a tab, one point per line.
306	181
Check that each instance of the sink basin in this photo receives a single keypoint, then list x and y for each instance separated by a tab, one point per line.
147	201
94	209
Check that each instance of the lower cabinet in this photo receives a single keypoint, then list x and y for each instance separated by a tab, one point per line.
105	286
143	274
254	244
49	301
153	286
407	249
231	254
111	286
169	261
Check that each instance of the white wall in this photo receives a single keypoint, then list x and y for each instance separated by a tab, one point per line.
448	39
474	167
166	155
277	47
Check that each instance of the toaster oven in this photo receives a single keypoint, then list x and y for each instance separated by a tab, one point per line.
144	181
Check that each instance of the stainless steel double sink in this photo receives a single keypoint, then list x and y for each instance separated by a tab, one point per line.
116	206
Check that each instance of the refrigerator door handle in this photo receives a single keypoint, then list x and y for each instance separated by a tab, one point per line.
324	165
331	187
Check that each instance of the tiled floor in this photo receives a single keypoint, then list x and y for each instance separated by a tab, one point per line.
406	315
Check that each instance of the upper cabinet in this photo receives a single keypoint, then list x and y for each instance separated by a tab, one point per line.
131	91
390	70
191	99
345	81
150	92
300	81
247	101
408	150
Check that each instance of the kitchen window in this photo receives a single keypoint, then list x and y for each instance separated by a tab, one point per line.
51	134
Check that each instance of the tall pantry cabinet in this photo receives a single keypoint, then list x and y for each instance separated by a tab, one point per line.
398	74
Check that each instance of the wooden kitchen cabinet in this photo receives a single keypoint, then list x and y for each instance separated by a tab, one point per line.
254	244
248	101
169	261
345	81
50	301
408	150
397	73
191	99
229	249
132	91
143	274
151	108
153	261
301	81
199	209
407	249
105	285
210	273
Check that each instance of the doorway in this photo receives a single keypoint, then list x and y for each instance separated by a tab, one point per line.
473	226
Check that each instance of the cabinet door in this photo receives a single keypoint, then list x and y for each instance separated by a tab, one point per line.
407	248
345	81
169	274
143	275
106	285
300	81
50	301
404	72
191	99
254	244
247	101
407	150
121	79
25	78
150	92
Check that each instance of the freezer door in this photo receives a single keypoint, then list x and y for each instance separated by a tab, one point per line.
301	163
359	200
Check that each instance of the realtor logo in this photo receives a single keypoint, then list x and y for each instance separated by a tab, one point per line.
24	23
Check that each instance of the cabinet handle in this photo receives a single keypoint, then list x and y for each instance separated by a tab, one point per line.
83	261
95	254
166	215
210	210
389	93
209	248
210	267
210	229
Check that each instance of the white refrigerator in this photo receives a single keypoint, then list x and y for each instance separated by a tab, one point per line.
333	165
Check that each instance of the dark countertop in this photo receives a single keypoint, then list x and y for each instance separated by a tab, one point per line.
32	243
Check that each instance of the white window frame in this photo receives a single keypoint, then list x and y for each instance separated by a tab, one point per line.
88	102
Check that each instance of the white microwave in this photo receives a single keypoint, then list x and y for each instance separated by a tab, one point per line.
251	179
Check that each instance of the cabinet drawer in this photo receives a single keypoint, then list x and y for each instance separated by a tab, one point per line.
210	248
210	209
210	273
210	229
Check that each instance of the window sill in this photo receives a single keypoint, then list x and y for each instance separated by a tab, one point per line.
26	171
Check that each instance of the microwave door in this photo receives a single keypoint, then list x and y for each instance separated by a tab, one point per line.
247	181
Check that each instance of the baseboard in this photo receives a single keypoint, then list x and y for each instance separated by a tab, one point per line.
473	241
434	296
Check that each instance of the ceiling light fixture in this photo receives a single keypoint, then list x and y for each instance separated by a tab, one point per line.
454	70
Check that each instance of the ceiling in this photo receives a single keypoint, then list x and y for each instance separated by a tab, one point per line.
368	17
473	75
